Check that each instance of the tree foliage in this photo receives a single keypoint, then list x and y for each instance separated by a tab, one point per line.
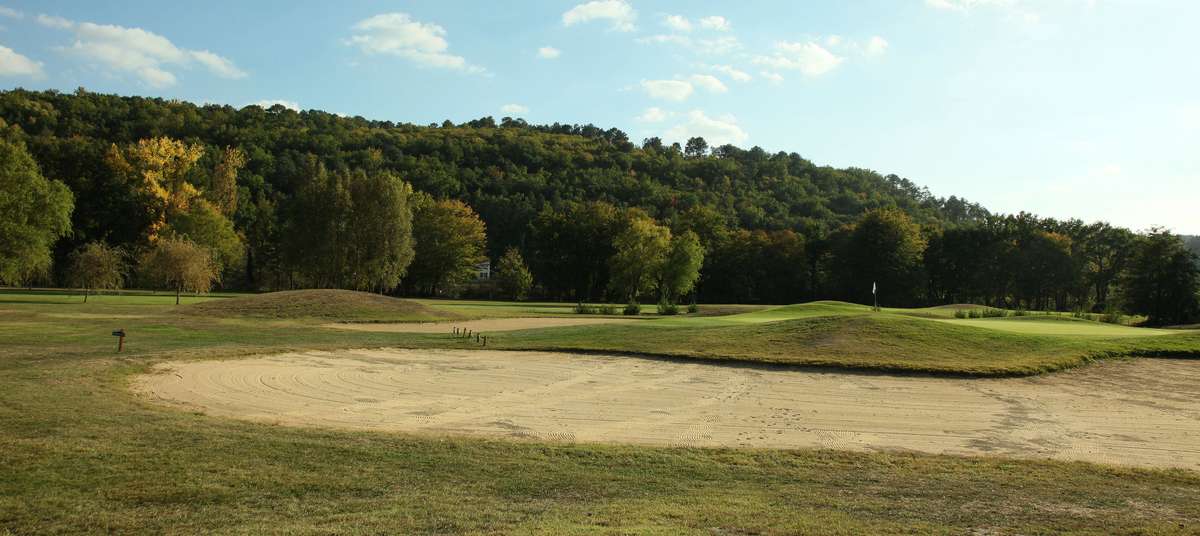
180	265
34	213
450	241
641	252
512	276
97	266
1163	279
681	269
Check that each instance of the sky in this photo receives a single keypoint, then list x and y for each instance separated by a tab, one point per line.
1065	108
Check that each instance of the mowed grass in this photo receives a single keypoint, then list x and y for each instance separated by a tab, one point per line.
834	334
80	454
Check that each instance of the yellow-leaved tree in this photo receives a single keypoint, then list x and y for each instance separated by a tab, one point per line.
160	167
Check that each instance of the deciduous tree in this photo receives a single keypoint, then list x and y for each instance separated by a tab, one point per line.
181	265
96	266
450	242
34	213
512	275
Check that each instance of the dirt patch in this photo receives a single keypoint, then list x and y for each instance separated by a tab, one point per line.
481	326
1111	413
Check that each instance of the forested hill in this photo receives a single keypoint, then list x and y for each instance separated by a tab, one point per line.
506	171
286	199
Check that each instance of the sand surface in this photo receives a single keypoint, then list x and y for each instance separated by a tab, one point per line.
1141	413
480	326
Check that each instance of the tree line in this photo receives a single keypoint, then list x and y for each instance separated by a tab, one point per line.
285	199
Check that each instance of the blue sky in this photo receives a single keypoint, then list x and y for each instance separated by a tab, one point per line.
1065	108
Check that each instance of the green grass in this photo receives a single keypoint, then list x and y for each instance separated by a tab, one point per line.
80	454
325	304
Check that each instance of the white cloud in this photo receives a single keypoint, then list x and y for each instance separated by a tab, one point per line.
681	40
618	12
716	22
54	21
14	64
219	66
672	90
549	53
774	77
1108	170
139	52
708	82
809	58
1013	8
833	40
716	131
514	109
266	104
678	23
653	114
397	34
875	46
11	13
731	72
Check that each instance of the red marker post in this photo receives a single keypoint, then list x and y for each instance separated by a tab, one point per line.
120	334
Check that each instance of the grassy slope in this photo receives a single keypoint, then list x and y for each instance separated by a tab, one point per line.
328	304
847	335
80	454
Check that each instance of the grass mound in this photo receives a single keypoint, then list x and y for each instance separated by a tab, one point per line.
328	304
863	341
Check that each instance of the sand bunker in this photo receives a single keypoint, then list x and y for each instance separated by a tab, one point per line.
1143	413
481	326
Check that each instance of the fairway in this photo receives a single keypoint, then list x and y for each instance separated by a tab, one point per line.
489	324
1140	413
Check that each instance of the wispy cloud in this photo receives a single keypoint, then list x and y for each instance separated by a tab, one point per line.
398	34
514	109
810	58
14	64
618	13
549	53
671	90
715	130
142	53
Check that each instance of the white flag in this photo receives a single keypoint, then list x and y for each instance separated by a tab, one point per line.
872	287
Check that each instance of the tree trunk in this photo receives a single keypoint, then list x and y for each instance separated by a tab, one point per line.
177	291
85	293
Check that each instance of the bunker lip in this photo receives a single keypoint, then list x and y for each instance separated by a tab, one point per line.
480	326
1140	413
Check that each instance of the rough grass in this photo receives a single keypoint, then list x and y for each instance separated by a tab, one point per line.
80	454
343	305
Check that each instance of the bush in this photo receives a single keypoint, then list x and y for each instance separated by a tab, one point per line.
667	308
1113	317
632	309
992	312
693	309
607	310
582	309
974	313
960	313
1020	312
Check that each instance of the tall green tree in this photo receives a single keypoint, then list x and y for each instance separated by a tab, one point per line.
450	243
34	213
681	269
1163	280
380	231
572	247
513	276
97	266
884	248
641	252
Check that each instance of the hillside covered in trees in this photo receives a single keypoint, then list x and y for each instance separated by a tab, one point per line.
290	199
